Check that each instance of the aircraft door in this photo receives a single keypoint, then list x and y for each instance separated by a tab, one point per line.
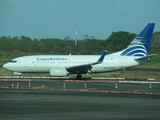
25	62
121	61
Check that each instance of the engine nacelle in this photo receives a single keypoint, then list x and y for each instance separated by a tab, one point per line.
58	72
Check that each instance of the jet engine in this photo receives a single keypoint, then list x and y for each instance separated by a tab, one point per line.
58	72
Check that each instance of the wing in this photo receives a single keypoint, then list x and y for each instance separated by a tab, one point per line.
85	68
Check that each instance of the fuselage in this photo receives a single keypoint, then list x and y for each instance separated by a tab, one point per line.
43	63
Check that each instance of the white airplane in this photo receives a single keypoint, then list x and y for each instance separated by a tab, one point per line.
63	65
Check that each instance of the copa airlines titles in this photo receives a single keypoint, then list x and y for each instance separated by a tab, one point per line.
50	59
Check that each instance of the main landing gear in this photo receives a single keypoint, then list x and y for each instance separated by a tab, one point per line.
21	77
79	77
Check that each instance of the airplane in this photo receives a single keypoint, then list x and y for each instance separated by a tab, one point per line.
64	65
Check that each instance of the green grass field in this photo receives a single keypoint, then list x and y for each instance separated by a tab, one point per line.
153	63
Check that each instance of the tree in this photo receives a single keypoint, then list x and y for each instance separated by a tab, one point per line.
85	36
119	40
155	43
67	38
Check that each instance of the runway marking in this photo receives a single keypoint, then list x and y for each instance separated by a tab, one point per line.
113	81
35	77
15	80
91	88
84	90
139	90
41	87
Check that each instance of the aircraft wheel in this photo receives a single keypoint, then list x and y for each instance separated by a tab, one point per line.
21	77
79	77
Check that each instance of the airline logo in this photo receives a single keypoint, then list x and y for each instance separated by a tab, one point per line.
136	48
50	59
139	46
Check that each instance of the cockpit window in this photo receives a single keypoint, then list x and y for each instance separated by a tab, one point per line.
13	61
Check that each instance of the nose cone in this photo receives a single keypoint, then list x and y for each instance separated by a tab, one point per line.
8	66
5	66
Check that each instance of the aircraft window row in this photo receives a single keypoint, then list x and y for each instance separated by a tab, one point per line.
67	62
62	62
42	62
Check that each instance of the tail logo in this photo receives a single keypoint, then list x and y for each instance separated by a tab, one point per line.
135	48
139	46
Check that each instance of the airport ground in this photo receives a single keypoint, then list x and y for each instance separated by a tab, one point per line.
48	99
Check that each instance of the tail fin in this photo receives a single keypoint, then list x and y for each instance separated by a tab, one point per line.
139	46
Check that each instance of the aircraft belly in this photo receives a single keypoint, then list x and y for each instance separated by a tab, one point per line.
39	69
30	69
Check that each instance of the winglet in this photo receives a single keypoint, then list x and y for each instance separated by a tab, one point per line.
100	60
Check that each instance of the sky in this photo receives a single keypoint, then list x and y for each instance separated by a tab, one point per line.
59	18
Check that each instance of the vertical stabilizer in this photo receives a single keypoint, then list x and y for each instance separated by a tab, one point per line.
139	46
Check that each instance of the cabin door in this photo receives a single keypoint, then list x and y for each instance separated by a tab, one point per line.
25	62
121	61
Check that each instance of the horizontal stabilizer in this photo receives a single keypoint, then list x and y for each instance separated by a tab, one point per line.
148	56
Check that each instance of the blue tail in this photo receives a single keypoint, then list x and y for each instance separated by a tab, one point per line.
139	46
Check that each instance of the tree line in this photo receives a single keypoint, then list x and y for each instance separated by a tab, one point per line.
115	42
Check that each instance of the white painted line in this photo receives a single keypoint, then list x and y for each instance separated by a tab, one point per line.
113	81
83	90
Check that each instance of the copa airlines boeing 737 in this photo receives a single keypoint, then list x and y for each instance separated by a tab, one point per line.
63	65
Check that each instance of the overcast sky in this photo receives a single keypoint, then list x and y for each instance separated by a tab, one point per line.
58	18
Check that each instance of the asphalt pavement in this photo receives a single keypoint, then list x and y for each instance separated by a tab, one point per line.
48	104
